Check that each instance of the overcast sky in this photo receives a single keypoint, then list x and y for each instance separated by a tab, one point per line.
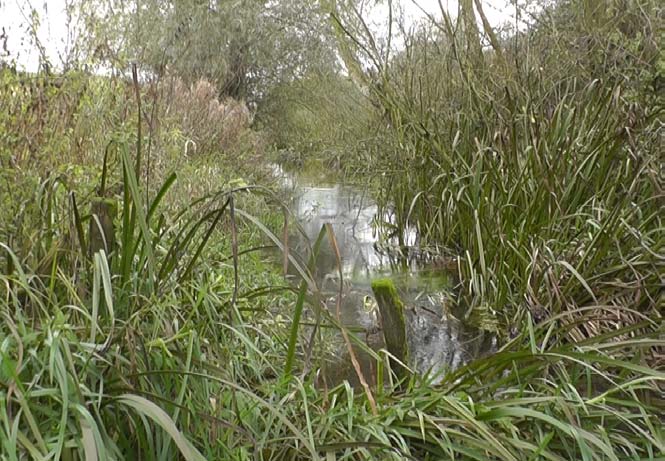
53	32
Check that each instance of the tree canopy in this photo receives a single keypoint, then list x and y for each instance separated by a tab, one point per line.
245	48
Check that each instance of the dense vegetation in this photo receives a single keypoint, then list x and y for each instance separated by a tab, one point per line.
141	318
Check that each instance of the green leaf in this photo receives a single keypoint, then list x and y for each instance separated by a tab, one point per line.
159	416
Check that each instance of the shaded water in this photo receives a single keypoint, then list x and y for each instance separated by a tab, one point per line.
437	340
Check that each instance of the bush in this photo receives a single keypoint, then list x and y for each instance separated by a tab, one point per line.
212	125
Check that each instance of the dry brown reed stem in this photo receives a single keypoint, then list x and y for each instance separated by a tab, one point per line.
345	335
213	124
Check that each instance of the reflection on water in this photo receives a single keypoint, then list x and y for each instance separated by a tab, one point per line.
350	215
437	341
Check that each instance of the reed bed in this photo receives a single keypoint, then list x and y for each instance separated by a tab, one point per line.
141	322
163	349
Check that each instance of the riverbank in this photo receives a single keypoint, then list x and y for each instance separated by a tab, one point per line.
196	350
159	298
192	335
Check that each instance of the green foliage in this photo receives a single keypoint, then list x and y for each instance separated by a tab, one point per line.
244	51
176	377
536	163
83	315
321	116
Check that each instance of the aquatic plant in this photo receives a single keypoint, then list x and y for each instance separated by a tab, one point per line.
163	333
536	166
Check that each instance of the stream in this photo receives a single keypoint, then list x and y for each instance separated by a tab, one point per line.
438	341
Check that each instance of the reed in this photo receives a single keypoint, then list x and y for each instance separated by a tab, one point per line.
545	184
176	339
166	353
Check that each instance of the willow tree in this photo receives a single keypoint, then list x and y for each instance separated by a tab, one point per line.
367	53
245	48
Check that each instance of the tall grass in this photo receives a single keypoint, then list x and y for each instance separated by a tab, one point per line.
538	167
173	338
177	379
181	357
96	321
559	215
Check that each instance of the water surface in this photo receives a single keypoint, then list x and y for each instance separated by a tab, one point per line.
437	340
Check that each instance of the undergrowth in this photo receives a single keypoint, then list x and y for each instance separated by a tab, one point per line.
142	319
167	343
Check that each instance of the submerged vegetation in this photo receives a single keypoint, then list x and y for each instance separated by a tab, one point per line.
141	318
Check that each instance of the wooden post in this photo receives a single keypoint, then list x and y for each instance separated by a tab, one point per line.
102	233
393	322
